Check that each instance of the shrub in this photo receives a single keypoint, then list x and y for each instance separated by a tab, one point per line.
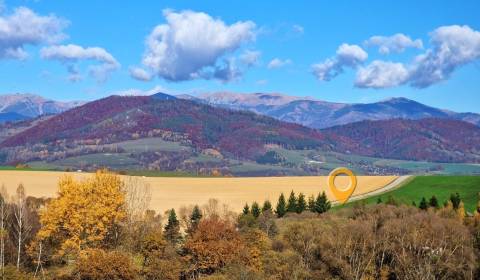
96	264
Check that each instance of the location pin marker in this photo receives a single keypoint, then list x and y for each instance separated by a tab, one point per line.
342	195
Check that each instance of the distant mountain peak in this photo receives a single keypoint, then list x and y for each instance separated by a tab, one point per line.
31	105
163	96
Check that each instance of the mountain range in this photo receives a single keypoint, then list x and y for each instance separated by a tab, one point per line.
321	114
229	134
22	106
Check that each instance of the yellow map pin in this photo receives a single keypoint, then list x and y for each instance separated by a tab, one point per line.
342	195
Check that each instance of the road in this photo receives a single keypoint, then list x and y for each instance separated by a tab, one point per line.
400	181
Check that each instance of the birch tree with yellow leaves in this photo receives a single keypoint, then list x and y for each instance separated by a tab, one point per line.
85	214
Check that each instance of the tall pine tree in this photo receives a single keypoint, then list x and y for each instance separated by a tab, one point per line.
292	203
301	203
195	218
255	210
267	206
311	203
246	209
423	204
172	229
433	202
322	204
281	206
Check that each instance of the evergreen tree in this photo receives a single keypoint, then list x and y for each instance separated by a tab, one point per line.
478	203
255	210
292	203
195	218
301	203
311	203
322	204
455	199
423	204
379	200
281	206
434	202
267	206
414	204
246	209
172	229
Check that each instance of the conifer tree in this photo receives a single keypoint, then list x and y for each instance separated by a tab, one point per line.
267	206
292	203
246	209
379	200
455	199
195	218
281	206
433	202
423	204
172	229
478	203
255	209
301	203
322	204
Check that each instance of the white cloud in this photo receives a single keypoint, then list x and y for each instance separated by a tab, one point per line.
24	27
393	44
227	72
191	43
140	74
453	46
277	63
381	74
250	58
71	54
140	92
347	56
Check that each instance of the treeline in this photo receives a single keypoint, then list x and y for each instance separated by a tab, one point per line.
102	228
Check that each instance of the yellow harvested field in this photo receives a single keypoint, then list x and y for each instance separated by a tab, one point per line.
174	192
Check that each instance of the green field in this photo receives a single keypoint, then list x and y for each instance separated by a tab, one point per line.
441	186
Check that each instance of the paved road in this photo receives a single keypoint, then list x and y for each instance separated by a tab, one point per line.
400	181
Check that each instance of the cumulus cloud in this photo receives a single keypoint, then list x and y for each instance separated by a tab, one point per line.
24	27
277	63
346	56
250	58
453	47
227	71
71	54
140	74
393	44
190	45
381	74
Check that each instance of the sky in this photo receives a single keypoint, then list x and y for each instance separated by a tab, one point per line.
342	51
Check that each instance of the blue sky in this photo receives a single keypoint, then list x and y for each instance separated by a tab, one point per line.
84	50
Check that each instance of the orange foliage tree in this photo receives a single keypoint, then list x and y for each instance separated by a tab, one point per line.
86	214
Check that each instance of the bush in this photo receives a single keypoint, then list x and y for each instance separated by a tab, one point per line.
95	264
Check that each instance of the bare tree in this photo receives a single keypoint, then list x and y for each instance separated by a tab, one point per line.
21	226
138	195
3	232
